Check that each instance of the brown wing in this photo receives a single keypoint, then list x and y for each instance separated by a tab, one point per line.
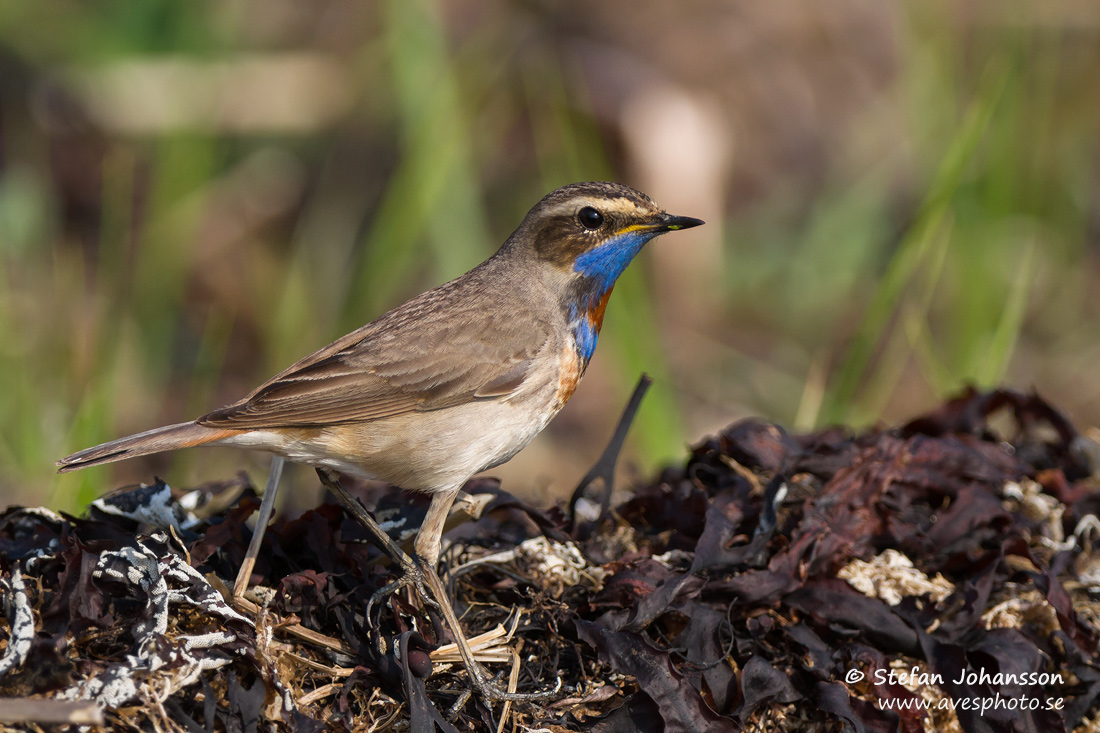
438	350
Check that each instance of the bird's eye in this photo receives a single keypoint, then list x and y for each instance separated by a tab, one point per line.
590	218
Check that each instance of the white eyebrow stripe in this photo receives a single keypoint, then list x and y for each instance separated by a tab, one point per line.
619	204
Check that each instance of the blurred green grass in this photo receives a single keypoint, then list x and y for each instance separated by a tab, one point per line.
147	275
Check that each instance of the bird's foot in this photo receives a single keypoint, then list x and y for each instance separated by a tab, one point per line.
489	689
484	684
418	574
411	575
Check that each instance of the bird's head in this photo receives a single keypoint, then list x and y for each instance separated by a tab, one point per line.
593	230
586	234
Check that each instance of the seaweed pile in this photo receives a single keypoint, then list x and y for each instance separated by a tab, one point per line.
940	575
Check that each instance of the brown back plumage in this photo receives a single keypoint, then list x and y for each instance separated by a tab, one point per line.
405	361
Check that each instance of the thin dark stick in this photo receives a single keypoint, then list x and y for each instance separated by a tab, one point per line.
604	468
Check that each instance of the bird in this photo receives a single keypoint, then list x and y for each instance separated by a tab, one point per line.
451	383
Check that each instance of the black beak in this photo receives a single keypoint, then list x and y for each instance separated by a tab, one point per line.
670	223
662	223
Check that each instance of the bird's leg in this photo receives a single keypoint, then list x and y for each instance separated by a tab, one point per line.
410	573
427	547
421	574
429	538
266	507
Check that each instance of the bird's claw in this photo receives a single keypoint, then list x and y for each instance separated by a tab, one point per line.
489	690
411	575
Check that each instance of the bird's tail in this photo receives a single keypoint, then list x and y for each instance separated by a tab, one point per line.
170	437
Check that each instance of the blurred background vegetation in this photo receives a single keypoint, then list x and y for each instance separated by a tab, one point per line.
901	198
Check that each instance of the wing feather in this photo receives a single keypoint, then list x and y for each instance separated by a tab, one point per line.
436	351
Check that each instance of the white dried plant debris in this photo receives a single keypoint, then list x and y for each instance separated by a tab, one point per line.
139	572
558	565
163	663
112	688
152	505
623	540
1023	607
38	512
890	577
586	510
1026	497
676	559
261	595
17	608
198	592
190	502
563	563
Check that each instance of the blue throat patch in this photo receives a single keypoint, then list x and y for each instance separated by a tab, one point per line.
602	265
606	262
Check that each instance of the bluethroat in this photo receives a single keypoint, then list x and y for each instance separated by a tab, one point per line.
453	382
